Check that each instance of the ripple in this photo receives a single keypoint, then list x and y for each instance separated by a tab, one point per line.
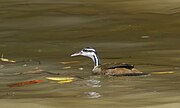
93	94
93	83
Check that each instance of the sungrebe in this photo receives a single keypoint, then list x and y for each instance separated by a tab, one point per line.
110	69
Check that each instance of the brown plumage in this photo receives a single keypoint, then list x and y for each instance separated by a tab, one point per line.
117	69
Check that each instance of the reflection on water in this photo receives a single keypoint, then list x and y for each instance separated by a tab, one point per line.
93	94
39	34
93	83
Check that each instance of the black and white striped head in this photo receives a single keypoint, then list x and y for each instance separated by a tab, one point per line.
89	52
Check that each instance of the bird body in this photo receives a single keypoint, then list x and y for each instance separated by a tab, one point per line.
117	69
110	69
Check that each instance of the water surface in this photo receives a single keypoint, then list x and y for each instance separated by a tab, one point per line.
140	32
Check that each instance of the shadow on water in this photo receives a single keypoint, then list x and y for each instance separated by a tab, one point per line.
39	35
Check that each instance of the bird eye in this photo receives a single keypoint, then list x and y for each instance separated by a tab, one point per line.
85	50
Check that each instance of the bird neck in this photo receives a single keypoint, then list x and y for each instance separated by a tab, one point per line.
96	60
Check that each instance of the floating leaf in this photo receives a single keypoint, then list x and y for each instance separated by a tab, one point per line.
65	81
165	72
25	83
6	60
81	68
69	62
67	67
60	78
145	37
35	71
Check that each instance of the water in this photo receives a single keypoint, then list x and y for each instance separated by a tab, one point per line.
143	33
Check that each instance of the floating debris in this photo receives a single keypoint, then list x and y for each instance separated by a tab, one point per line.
61	80
6	60
25	65
81	68
34	71
69	62
145	37
11	94
165	72
24	83
67	67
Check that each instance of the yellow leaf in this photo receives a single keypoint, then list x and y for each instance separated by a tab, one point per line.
67	67
60	78
65	81
6	60
165	72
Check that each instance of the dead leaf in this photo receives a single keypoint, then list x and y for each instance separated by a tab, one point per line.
25	83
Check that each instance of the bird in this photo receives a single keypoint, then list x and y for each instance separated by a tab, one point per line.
108	69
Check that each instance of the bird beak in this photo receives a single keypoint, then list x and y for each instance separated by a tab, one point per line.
76	54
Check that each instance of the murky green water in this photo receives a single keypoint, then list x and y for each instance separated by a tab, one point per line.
140	32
